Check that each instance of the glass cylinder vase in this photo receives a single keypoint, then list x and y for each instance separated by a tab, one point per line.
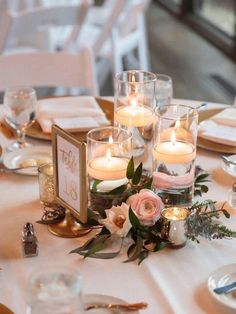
108	154
174	154
134	111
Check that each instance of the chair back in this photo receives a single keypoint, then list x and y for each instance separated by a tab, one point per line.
45	69
27	22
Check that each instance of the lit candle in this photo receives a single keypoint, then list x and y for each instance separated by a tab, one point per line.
174	225
108	167
174	151
134	114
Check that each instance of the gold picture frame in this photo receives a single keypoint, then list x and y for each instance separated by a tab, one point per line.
70	183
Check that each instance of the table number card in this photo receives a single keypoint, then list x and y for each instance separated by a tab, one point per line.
69	160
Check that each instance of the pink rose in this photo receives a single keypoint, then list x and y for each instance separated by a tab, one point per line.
147	206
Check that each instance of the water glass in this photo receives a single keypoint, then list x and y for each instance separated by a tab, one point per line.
54	290
164	90
19	112
174	154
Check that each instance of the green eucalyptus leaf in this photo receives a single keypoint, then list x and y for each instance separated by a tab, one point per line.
130	169
133	219
148	184
138	174
95	184
119	190
204	188
143	254
136	251
95	248
226	213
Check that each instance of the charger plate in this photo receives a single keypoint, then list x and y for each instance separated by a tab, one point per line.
210	145
35	130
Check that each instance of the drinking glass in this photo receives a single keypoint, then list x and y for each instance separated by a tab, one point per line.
19	112
54	290
164	90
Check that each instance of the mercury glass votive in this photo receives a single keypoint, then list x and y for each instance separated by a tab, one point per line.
46	185
174	154
108	154
174	225
134	111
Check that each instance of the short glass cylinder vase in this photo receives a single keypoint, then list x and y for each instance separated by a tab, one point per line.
108	154
46	185
174	154
134	112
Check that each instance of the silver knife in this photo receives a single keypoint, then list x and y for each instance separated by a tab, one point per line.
225	289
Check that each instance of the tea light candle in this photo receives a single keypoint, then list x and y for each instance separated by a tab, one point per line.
134	115
174	151
174	225
107	168
46	185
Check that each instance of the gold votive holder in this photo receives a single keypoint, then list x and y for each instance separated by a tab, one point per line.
174	227
46	185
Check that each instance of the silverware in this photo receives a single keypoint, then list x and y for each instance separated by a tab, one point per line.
200	106
125	307
226	289
228	161
4	169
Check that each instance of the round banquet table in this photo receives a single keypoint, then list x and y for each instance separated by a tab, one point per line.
170	281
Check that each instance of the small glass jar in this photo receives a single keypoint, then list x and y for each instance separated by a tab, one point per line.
46	185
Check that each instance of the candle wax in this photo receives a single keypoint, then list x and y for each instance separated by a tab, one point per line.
136	116
177	152
107	168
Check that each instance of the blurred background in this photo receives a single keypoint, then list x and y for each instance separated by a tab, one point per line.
192	41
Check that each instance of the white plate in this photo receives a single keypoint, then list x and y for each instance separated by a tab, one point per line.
27	155
230	169
223	276
101	298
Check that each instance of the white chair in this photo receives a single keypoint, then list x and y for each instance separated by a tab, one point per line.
116	35
20	25
43	69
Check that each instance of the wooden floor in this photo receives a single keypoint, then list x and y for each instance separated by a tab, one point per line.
189	59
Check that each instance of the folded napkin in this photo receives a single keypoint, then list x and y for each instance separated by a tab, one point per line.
221	128
70	113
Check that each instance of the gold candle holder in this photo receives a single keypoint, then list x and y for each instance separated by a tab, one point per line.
46	185
174	225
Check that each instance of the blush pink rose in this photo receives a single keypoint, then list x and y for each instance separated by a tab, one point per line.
147	206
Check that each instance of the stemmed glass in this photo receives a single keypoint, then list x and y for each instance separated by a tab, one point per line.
19	112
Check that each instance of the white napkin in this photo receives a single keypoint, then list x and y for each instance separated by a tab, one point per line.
221	128
71	113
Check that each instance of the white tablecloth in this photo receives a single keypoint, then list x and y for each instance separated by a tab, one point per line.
171	281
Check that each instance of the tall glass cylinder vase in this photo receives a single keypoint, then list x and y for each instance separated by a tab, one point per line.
134	111
108	154
174	154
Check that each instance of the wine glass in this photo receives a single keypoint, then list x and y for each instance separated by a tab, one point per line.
19	112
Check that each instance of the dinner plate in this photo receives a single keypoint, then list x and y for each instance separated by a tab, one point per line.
101	298
35	130
33	155
210	145
221	277
229	168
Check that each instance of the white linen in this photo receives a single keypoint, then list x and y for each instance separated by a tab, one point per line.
220	128
171	281
62	108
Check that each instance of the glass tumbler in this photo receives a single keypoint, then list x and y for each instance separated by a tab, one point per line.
54	290
134	111
164	90
46	185
174	154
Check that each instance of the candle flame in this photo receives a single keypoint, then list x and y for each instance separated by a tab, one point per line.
110	141
173	138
